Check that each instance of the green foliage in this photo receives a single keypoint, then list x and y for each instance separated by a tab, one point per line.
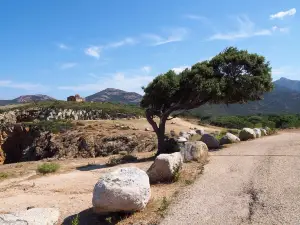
55	126
164	205
239	122
48	168
3	175
75	220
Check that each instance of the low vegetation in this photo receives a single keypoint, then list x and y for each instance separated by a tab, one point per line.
239	122
3	176
55	126
48	168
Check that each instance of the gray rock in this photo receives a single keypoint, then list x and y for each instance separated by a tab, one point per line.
257	132
165	167
194	151
229	139
210	141
123	190
33	216
247	134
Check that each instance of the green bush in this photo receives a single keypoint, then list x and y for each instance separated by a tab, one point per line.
55	126
48	168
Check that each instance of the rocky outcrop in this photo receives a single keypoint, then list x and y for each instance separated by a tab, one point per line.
247	134
165	167
210	141
194	151
34	216
29	115
123	190
24	143
229	139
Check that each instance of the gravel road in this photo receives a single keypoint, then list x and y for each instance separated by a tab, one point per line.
254	182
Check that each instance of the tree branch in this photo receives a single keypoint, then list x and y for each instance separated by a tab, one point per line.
149	117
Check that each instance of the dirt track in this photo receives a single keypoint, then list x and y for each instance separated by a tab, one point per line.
255	182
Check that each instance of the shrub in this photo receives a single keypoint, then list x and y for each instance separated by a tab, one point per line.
3	175
48	168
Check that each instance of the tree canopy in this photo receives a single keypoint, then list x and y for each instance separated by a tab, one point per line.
232	76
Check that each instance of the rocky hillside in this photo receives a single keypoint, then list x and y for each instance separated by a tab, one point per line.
115	95
27	99
293	85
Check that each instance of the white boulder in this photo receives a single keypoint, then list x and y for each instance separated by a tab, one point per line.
194	151
165	167
200	131
182	140
229	138
263	132
34	216
123	190
192	132
257	132
210	141
247	134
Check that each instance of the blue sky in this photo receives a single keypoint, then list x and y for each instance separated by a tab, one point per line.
61	48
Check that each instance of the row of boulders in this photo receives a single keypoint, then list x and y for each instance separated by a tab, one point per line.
128	189
28	115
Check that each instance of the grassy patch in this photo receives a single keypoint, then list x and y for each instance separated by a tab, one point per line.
75	220
3	175
116	160
48	168
55	126
165	203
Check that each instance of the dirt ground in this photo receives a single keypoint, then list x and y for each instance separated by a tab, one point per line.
70	189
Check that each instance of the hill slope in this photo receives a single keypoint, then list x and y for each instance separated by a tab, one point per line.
115	95
26	99
287	83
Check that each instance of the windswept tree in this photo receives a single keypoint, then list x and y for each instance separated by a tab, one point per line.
232	76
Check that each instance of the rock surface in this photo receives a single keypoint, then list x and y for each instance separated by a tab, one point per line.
229	138
263	132
210	141
194	151
165	167
200	131
257	132
182	140
247	134
34	216
123	190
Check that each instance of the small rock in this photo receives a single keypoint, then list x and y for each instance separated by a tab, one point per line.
147	129
194	151
123	190
210	141
165	167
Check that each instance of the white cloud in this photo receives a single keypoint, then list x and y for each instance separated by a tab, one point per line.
146	69
126	41
68	65
246	29
287	72
173	35
119	80
280	29
23	86
93	51
63	46
179	69
282	14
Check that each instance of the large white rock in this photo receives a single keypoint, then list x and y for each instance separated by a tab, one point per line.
165	167
210	141
34	216
229	138
247	134
263	132
192	132
123	190
257	132
194	151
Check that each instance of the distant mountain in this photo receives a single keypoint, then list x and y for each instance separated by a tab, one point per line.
115	95
26	99
287	83
280	100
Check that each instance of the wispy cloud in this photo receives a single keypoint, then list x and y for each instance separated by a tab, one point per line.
23	86
63	46
179	69
282	14
194	17
286	71
280	29
146	69
93	51
126	41
246	29
67	65
173	35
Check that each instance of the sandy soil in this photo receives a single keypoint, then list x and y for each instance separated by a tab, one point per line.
255	182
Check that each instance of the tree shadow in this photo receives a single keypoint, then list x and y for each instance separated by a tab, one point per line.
90	167
88	217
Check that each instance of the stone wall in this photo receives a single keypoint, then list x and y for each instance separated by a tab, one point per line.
17	116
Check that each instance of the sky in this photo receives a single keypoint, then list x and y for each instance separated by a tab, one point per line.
61	48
